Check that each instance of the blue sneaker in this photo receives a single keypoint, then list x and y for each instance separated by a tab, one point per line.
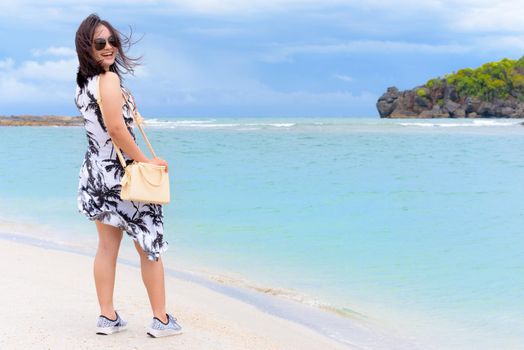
161	329
106	326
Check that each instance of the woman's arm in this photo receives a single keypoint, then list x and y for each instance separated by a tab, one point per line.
112	101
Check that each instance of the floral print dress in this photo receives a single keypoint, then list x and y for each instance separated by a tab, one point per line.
100	174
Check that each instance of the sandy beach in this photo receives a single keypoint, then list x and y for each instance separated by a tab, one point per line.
49	302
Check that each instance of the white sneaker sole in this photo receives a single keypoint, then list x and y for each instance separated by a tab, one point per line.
156	333
110	330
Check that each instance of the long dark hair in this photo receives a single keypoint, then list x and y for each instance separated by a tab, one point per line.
88	66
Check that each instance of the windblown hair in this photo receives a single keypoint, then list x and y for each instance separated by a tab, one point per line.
88	66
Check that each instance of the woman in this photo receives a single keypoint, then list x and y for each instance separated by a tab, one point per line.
101	56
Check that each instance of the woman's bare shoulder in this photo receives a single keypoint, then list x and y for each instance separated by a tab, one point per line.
110	78
109	83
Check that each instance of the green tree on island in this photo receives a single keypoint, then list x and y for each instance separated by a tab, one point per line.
492	80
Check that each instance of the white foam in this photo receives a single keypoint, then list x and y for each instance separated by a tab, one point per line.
472	123
171	124
174	123
496	123
419	124
282	125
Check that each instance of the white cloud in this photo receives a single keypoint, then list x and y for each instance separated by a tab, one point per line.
7	64
475	16
343	77
268	96
43	82
141	72
282	52
31	81
505	44
15	91
225	81
263	95
472	16
489	16
54	51
56	8
215	32
60	70
250	7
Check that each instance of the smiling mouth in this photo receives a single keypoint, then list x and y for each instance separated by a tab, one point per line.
109	54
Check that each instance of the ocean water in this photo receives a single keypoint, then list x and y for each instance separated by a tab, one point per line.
414	225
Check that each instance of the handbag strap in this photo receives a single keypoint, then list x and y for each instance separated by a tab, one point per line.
136	117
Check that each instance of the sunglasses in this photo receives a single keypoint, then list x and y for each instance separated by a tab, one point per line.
100	43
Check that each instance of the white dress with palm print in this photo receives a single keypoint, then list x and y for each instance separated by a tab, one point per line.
100	175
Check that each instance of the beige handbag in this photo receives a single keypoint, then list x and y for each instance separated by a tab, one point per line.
141	182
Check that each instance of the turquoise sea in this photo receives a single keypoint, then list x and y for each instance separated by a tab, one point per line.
416	226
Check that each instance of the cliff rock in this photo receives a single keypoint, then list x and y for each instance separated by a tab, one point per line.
496	89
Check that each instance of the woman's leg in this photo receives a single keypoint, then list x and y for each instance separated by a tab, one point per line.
153	277
109	238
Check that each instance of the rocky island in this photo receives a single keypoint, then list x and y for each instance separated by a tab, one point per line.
494	90
47	120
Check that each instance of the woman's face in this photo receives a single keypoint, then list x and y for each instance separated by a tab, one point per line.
106	56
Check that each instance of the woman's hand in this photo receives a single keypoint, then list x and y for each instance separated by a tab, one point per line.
158	161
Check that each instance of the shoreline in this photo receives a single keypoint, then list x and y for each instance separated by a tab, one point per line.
43	302
339	332
45	120
30	232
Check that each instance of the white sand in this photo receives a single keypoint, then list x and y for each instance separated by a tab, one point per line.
49	302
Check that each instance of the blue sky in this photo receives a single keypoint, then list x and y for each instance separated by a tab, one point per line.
233	58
